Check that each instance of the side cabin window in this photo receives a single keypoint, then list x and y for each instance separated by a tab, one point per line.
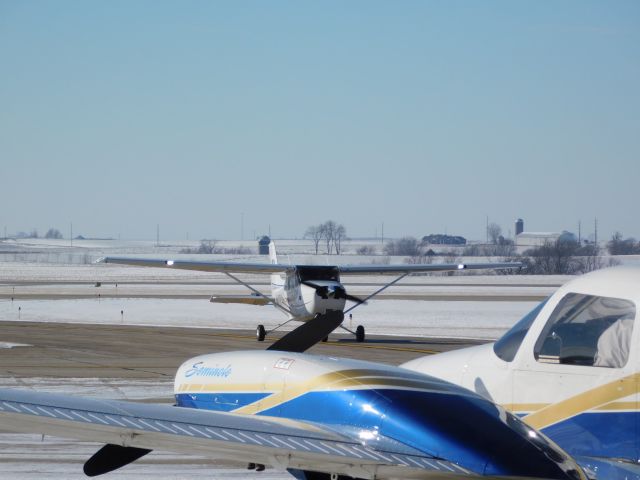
587	330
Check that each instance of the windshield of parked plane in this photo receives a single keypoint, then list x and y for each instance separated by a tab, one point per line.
507	346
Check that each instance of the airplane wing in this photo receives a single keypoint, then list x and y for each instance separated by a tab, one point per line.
236	267
421	268
132	429
239	267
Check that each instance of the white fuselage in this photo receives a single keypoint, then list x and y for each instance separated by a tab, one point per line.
304	302
550	376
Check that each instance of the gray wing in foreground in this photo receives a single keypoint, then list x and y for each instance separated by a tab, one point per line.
277	442
200	266
425	268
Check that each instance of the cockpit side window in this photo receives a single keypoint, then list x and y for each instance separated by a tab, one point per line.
507	346
587	330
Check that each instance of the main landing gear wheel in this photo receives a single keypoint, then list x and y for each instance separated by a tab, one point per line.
360	333
261	333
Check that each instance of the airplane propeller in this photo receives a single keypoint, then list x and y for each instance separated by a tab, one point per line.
338	292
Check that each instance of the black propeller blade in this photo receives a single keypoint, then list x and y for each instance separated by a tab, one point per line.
323	291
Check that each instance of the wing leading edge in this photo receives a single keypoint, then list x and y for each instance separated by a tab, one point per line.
201	266
240	267
422	268
279	443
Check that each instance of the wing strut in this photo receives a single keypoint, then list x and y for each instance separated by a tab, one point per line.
257	292
377	292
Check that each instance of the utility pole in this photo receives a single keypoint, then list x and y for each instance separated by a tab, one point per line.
579	232
158	235
242	226
595	232
71	233
487	230
382	236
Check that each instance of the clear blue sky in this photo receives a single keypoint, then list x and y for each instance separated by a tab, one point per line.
427	116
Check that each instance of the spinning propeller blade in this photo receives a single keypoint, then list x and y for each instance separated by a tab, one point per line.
339	292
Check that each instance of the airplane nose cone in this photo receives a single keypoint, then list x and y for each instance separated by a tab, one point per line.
478	435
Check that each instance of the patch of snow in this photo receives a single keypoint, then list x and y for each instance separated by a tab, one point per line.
13	345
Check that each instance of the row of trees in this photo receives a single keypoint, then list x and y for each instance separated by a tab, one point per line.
330	234
51	233
623	246
562	257
209	247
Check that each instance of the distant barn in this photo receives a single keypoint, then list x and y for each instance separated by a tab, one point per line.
440	239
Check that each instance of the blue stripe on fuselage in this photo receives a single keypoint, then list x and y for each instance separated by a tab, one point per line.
221	402
598	434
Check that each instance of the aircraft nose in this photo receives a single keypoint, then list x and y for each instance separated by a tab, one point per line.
477	435
339	292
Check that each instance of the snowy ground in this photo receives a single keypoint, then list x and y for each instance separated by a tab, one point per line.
477	319
29	457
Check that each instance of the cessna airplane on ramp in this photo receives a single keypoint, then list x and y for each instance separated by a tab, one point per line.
555	398
303	292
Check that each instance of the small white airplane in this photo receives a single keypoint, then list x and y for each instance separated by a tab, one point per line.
303	292
555	398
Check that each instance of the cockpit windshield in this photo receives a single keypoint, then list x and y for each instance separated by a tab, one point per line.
507	346
318	273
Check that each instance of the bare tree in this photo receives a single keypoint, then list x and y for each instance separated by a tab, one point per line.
53	233
561	257
366	250
493	232
329	230
407	246
339	235
316	234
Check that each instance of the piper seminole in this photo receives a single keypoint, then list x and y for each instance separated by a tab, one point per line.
303	292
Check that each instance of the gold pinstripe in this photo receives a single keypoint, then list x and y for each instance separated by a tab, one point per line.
342	379
596	398
603	398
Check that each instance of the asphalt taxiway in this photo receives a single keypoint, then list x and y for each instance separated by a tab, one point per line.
64	350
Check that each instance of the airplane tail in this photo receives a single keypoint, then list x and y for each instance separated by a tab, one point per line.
277	280
273	257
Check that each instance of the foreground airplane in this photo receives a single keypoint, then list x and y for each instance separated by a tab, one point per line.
570	369
303	292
